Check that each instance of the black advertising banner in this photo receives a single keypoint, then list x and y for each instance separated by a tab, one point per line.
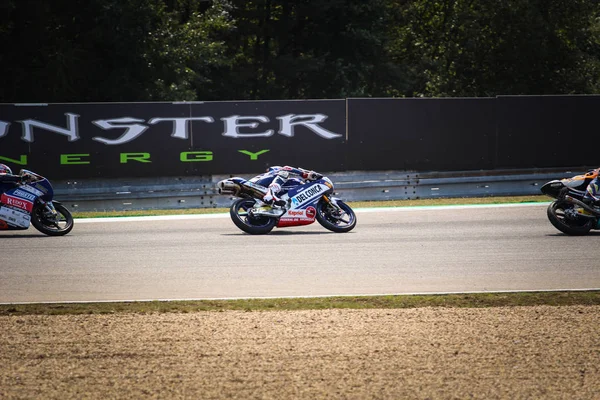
547	131
421	134
110	140
65	141
251	136
121	140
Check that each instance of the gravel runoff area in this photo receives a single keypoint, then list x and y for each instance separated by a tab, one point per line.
533	352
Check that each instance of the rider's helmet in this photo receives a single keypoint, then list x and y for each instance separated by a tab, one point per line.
274	168
5	169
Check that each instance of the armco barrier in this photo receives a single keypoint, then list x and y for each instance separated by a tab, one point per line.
201	192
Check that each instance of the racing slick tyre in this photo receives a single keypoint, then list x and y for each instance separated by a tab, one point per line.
241	217
52	225
336	220
563	217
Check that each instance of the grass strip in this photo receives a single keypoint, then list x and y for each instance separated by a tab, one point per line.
473	300
354	204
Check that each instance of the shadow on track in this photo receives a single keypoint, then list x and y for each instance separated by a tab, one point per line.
280	233
560	234
28	235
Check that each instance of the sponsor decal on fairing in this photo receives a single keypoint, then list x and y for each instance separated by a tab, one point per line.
306	195
15	217
296	213
298	217
25	195
255	186
29	189
16	202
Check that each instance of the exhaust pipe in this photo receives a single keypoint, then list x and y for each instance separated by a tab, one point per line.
228	187
582	205
274	212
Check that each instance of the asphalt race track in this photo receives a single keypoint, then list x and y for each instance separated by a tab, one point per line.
391	251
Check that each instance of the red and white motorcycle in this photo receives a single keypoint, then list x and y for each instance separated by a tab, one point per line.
305	203
31	202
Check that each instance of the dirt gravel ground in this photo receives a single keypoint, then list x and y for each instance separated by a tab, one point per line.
538	352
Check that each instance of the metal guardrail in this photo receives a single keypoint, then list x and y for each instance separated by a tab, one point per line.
139	194
201	191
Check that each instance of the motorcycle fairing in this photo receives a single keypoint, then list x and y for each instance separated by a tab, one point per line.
304	195
18	199
580	180
17	205
297	217
255	186
18	202
576	181
43	186
302	200
15	218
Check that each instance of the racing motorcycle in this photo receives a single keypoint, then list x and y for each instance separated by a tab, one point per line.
568	213
31	203
305	202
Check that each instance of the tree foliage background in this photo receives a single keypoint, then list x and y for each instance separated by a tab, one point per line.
169	50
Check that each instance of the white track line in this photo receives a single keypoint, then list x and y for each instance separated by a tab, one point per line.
448	207
358	211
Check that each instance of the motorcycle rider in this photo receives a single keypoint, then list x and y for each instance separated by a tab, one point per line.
7	179
276	176
592	192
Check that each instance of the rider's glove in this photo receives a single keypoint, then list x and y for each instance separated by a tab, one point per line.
313	176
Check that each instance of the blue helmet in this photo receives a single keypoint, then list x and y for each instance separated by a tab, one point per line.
274	168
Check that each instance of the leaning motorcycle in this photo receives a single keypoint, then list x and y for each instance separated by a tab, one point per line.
305	202
568	213
31	202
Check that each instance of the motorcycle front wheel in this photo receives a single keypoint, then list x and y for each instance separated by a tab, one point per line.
49	224
336	220
248	223
564	218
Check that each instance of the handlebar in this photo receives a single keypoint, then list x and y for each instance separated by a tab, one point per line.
29	176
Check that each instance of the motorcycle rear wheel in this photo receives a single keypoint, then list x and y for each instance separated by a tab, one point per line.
335	220
58	225
249	224
566	224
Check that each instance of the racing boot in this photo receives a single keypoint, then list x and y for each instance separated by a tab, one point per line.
271	199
